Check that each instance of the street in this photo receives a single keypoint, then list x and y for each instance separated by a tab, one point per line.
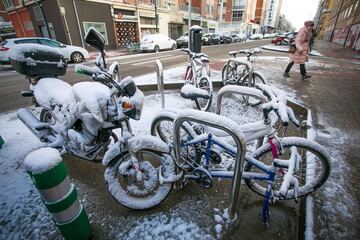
331	95
12	83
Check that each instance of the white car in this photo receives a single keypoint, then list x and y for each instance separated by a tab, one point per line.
256	36
156	42
70	53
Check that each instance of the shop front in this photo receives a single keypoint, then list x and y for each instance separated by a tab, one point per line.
126	27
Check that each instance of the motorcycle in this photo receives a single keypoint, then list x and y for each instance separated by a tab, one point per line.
80	120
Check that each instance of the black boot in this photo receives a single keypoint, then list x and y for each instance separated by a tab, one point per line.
305	76
286	74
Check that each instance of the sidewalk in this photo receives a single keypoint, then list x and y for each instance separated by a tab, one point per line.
112	53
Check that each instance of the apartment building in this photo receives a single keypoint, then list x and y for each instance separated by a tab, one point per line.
272	15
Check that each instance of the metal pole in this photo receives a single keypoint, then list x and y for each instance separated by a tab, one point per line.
156	18
228	126
160	82
189	23
78	23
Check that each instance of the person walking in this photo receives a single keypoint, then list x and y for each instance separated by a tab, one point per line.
300	56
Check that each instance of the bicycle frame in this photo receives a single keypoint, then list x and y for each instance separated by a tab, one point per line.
269	172
194	66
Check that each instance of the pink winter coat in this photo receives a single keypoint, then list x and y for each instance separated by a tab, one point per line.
302	39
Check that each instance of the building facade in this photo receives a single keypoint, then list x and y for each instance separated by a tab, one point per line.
339	22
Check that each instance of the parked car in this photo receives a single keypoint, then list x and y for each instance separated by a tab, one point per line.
242	37
156	42
284	39
267	35
225	38
211	39
256	36
70	53
183	41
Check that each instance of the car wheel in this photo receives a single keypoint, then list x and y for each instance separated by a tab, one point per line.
77	57
156	48
278	43
173	47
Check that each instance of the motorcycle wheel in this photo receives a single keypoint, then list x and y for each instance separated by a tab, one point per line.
137	186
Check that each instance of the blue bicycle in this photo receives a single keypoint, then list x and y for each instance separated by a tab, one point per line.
283	168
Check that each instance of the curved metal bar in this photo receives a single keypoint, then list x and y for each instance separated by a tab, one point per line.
160	81
246	63
228	126
241	90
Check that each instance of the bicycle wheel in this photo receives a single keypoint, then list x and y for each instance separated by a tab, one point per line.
231	74
162	126
203	104
257	78
137	186
314	164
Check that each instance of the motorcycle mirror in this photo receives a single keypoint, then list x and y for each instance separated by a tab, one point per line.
95	39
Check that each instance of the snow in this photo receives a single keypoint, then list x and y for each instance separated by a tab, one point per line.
24	216
18	50
93	97
286	49
189	90
137	143
42	160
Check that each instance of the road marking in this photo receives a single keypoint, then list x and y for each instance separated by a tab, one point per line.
150	61
139	60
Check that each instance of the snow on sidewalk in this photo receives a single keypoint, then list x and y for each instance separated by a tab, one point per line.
282	48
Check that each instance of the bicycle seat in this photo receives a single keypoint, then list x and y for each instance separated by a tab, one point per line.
189	91
233	53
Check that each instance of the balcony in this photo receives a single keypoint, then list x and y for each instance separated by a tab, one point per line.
185	8
239	7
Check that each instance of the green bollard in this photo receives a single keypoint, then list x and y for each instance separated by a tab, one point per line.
1	141
50	176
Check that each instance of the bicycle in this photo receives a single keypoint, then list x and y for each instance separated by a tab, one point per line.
238	72
275	170
198	75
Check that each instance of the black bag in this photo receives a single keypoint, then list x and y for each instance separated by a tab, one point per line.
292	48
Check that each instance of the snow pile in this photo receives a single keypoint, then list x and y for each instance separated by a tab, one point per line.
222	221
162	227
22	213
41	160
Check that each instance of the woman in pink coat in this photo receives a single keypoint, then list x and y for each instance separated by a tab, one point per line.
300	56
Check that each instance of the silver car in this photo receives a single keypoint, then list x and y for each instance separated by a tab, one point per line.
71	53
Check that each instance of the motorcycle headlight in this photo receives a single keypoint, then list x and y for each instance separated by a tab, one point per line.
132	107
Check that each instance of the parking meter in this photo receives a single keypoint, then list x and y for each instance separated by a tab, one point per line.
195	38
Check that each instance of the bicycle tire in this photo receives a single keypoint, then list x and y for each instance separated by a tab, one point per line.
319	154
163	123
257	78
124	185
206	84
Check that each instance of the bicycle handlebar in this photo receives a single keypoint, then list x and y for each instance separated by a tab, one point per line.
277	103
194	55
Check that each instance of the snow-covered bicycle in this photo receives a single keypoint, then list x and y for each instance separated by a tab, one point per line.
237	72
282	168
198	86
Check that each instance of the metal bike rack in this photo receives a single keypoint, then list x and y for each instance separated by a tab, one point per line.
241	90
160	81
247	64
228	126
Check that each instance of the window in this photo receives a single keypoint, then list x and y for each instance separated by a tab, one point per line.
224	4
31	40
8	4
237	16
100	26
38	13
147	20
49	43
239	4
